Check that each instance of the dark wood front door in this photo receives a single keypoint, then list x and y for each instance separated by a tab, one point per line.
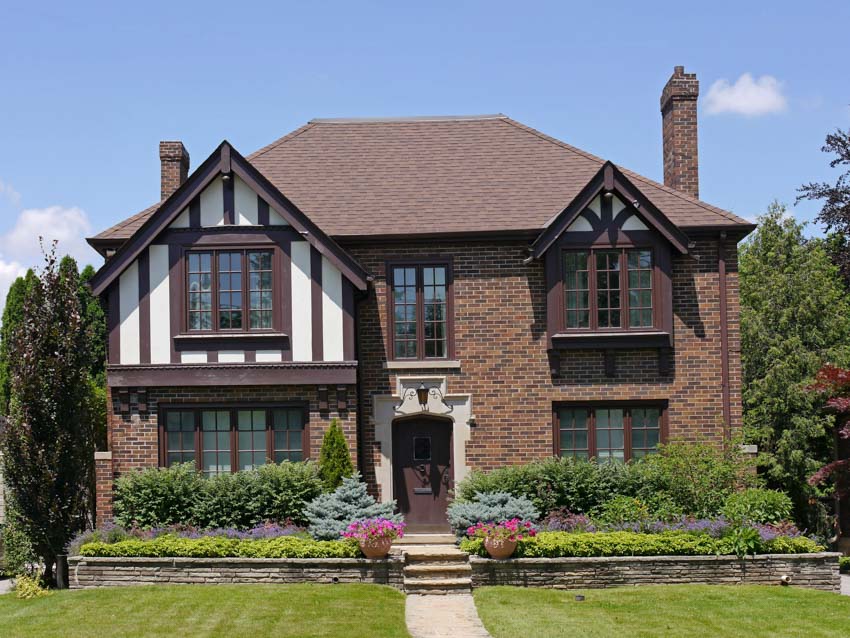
423	474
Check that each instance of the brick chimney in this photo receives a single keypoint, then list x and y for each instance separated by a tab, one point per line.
679	128
174	167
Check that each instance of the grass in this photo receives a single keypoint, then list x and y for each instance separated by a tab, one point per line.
670	610
209	610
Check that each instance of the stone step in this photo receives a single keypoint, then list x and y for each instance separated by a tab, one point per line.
438	585
439	570
435	553
425	539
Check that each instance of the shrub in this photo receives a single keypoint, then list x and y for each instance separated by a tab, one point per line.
489	508
563	520
563	544
18	556
334	458
158	497
758	506
212	547
622	509
681	479
844	564
330	515
29	587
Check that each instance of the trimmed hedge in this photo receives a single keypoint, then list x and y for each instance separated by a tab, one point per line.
567	544
217	547
158	497
844	564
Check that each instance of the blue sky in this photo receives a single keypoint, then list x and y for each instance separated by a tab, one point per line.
90	88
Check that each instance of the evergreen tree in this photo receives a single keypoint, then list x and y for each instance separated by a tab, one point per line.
12	316
795	317
330	514
48	445
334	459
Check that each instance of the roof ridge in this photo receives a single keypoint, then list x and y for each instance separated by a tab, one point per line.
632	174
407	118
289	136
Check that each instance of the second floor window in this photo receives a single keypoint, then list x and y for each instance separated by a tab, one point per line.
230	290
608	289
419	311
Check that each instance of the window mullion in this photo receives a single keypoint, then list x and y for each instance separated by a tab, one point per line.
420	313
591	273
591	433
624	291
627	434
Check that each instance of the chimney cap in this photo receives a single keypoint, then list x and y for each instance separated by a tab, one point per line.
173	150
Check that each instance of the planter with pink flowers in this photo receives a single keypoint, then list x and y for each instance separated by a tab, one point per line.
500	539
375	535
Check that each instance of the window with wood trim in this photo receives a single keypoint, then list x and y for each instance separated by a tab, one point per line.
221	283
597	295
420	311
608	432
220	440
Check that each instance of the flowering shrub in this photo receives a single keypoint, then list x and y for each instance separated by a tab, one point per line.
512	530
373	529
563	520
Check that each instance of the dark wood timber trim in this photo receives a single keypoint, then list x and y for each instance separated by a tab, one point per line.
661	404
262	211
195	213
144	306
176	296
611	179
724	337
224	160
348	310
316	304
212	356
240	236
232	374
114	322
611	340
231	340
284	258
229	199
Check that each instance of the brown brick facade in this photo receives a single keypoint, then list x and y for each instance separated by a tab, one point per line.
500	340
134	436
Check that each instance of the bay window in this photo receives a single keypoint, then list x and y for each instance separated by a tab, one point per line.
229	290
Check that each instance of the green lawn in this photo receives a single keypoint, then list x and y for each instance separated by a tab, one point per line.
672	610
209	610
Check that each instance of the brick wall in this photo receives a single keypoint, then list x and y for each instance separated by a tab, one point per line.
500	339
134	436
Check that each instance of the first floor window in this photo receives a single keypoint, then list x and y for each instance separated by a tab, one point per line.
223	440
607	433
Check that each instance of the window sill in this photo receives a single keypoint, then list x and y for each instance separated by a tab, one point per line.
430	364
611	340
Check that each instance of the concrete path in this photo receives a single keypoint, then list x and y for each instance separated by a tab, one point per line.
448	616
5	586
845	584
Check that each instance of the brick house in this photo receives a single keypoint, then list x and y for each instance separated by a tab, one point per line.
459	292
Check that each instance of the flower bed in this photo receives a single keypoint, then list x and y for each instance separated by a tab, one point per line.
669	543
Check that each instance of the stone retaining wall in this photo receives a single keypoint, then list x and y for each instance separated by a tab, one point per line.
815	571
86	573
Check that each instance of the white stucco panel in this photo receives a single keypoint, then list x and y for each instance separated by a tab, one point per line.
245	201
332	345
128	305
160	300
302	308
212	204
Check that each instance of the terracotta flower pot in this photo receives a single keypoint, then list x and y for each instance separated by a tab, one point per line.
376	547
498	548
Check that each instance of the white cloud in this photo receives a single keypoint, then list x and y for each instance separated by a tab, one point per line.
747	96
19	245
10	193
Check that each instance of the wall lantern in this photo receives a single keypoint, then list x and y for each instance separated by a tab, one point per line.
422	394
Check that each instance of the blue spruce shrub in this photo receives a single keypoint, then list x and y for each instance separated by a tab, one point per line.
329	514
490	507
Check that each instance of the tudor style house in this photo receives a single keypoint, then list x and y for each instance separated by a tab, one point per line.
459	292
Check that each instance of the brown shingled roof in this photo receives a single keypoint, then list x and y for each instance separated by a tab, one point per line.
433	175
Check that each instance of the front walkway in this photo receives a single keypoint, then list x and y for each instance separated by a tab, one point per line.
447	616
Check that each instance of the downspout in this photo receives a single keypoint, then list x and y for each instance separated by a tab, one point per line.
724	338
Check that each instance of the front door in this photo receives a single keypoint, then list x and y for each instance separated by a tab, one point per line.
422	452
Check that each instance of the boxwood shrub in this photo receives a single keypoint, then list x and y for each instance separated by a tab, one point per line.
566	544
158	497
218	547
